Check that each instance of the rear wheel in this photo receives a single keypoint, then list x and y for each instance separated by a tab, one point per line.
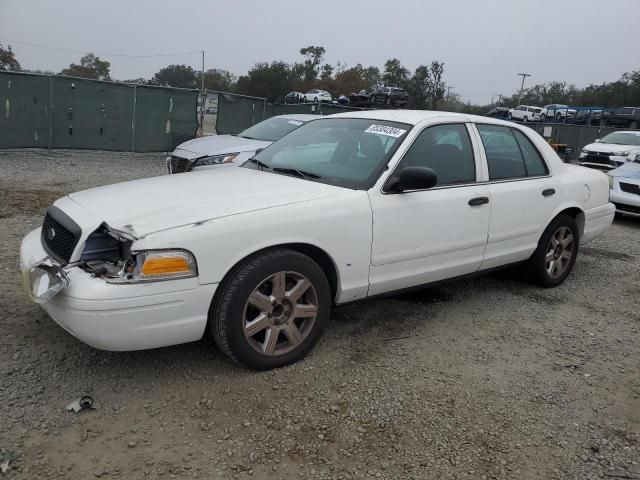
556	254
372	99
272	310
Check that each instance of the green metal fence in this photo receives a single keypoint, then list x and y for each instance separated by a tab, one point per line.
65	112
236	113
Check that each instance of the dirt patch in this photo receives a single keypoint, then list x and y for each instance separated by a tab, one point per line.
15	200
604	253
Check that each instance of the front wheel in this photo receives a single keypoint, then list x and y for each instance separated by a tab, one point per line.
272	310
556	254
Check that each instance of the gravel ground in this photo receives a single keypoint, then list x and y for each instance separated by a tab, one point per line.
486	378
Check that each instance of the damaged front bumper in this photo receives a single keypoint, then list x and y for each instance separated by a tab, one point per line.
117	317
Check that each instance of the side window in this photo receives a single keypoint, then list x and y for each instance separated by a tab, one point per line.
503	153
446	149
532	160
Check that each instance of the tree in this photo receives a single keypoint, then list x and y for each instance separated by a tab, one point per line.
271	81
395	75
435	84
418	88
8	59
357	78
426	87
90	67
311	65
182	76
220	80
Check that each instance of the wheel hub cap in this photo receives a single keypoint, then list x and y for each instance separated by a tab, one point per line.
559	252
280	312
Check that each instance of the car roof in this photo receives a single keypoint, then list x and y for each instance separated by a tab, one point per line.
302	117
413	117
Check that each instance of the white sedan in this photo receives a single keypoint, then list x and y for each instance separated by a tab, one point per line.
316	96
612	150
344	208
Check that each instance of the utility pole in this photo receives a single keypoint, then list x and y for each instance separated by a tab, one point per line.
204	97
523	75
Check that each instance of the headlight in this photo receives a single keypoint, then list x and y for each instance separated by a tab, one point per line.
620	154
155	265
610	181
214	160
584	153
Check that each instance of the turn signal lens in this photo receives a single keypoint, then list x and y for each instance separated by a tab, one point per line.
157	266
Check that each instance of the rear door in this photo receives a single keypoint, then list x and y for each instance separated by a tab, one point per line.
523	194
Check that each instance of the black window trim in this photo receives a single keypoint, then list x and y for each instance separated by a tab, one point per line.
466	124
512	179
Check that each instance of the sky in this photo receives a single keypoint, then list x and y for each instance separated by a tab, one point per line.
483	43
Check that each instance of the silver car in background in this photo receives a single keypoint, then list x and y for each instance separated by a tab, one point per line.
215	150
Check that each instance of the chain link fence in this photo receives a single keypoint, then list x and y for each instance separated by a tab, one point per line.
53	111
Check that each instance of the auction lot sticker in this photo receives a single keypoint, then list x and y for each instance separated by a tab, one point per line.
385	130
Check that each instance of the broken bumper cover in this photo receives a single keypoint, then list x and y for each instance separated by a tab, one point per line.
123	317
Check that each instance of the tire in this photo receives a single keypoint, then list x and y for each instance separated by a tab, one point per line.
633	125
316	100
542	267
524	119
280	337
372	99
509	116
388	102
558	117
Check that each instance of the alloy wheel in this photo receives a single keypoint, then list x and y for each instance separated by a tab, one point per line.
559	252
280	312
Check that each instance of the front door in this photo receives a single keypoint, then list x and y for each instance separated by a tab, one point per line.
424	236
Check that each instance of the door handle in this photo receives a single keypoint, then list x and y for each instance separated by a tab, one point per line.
548	192
478	201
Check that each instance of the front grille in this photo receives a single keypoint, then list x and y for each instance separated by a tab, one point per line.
599	158
179	165
60	235
630	188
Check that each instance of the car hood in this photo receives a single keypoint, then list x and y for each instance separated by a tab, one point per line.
217	145
628	170
150	205
611	147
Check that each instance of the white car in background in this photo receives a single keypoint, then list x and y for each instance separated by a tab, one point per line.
624	182
612	150
214	150
556	112
344	208
317	96
525	113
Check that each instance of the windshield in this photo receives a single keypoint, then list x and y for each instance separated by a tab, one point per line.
271	129
622	138
346	152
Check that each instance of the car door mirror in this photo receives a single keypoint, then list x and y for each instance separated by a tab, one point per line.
414	178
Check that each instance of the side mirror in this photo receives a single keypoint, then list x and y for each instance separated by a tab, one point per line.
258	150
598	140
414	178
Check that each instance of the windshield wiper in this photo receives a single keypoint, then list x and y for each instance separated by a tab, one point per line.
260	164
295	171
